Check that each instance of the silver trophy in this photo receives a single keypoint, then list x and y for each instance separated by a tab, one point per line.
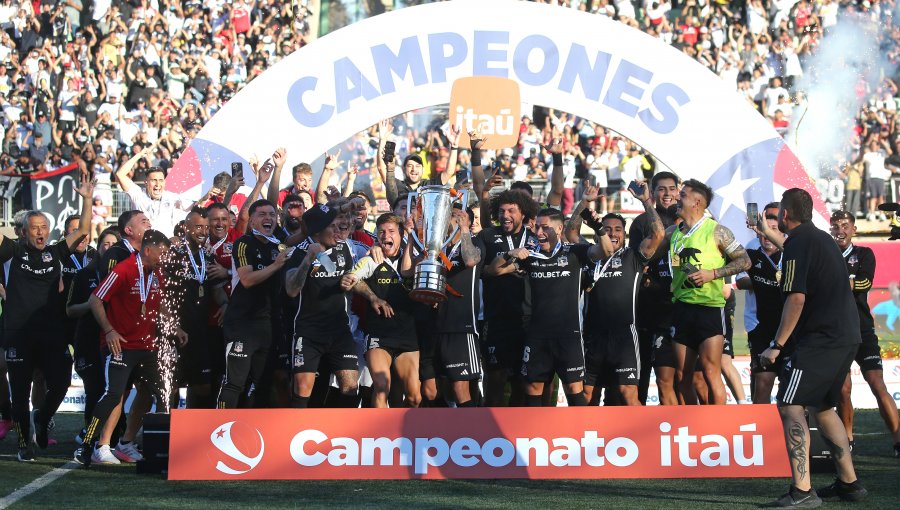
430	208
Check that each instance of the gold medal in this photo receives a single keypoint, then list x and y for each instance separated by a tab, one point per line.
778	276
281	247
143	309
201	290
676	260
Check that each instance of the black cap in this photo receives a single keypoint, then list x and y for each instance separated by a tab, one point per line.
317	218
413	157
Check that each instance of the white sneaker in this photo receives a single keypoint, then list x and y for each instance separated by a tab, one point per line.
128	452
104	455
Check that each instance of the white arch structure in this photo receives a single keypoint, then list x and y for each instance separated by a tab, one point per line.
573	61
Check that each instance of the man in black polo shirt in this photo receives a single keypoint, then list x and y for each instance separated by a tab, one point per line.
322	321
612	353
861	268
132	225
654	303
255	287
820	314
504	296
763	285
553	342
389	321
33	319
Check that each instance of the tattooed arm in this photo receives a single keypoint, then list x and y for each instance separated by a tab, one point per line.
657	232
732	250
471	255
295	278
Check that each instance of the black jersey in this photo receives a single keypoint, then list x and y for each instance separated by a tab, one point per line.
555	282
504	296
813	266
323	307
861	267
74	263
765	274
116	253
87	331
32	291
386	282
654	303
613	295
182	285
459	313
253	303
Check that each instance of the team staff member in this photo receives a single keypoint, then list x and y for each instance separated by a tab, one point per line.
820	315
702	253
504	296
88	360
612	351
33	318
654	304
255	286
126	306
763	283
322	323
553	342
390	325
861	268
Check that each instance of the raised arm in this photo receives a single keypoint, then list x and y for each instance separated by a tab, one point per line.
479	185
331	163
86	190
123	171
278	157
453	136
657	232
572	231
557	177
471	255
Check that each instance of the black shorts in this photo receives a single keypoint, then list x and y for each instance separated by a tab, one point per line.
868	357
427	350
612	357
394	345
460	359
663	354
392	352
338	348
563	355
502	344
813	376
695	323
728	345
759	341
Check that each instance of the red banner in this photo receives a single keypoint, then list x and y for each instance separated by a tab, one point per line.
585	442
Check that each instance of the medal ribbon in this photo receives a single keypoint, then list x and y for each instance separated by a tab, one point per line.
200	273
79	265
143	288
676	249
271	239
539	255
211	249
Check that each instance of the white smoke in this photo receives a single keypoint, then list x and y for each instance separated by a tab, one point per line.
821	126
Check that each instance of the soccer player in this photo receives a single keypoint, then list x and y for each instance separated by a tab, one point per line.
612	351
654	304
255	285
763	282
861	268
33	318
88	359
390	324
126	306
553	342
187	293
132	225
504	297
322	324
702	253
820	314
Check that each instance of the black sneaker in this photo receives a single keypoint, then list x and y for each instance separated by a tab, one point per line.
796	498
26	454
41	432
83	455
846	491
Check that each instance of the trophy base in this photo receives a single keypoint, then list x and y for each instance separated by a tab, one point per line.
428	296
429	283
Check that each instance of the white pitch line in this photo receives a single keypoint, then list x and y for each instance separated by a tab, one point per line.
37	484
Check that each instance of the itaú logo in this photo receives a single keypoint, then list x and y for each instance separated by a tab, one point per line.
224	438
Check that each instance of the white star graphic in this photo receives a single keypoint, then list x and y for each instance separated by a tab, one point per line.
733	193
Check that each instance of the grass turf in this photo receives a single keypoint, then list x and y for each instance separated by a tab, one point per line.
120	487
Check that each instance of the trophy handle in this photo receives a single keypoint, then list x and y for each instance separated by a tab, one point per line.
452	235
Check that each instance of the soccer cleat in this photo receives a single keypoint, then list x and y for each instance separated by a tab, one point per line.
796	498
26	454
79	437
128	452
104	455
83	455
5	427
846	491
